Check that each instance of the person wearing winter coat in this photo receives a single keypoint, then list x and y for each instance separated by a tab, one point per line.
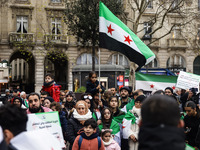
161	127
130	123
76	122
107	122
92	85
88	139
192	123
108	141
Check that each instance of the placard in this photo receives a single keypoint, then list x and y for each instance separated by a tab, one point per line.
47	120
188	80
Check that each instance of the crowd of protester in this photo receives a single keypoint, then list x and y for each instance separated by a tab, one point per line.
108	119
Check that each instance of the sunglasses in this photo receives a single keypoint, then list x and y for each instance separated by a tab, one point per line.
87	97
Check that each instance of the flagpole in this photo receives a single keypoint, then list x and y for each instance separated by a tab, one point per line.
99	74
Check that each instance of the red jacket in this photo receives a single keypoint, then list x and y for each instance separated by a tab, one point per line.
86	144
53	90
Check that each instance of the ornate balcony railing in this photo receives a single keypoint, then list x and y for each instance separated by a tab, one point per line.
56	39
21	37
177	43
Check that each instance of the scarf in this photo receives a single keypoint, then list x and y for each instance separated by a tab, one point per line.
48	84
109	142
94	135
82	117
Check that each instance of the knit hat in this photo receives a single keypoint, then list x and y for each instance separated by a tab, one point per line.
70	93
140	98
49	98
169	88
125	88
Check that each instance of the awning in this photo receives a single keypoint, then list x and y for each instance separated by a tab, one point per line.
106	67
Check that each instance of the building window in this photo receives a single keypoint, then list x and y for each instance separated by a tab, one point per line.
149	3
198	35
22	24
176	32
152	64
56	28
56	1
86	59
118	59
196	65
199	5
175	4
147	31
176	63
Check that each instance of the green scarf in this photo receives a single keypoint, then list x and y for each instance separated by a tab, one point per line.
130	105
94	116
114	126
119	118
130	116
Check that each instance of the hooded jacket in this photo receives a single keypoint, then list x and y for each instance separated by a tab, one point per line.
161	137
88	142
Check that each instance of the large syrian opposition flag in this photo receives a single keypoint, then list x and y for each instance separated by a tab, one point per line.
115	35
149	82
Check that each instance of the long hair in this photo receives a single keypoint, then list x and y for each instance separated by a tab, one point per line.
103	119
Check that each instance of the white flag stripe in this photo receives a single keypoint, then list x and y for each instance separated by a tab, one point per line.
151	86
117	33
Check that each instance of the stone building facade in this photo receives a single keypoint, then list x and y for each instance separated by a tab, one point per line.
33	23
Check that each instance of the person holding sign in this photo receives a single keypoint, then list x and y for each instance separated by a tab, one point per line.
35	105
76	122
14	122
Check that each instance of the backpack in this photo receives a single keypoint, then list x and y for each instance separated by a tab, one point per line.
81	139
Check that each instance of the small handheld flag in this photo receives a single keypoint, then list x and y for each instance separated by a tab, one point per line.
115	35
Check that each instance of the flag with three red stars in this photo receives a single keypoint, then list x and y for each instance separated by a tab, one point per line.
115	35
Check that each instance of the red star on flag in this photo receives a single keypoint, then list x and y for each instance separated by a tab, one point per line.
127	39
110	30
151	86
173	87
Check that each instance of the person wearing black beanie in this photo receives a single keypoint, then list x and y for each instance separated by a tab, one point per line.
140	98
47	101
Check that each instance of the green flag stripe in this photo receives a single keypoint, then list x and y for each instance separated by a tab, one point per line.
156	78
108	15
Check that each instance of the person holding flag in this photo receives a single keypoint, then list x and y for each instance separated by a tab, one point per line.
130	123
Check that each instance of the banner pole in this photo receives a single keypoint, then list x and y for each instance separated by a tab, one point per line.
99	73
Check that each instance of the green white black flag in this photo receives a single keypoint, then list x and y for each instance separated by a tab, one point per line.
115	35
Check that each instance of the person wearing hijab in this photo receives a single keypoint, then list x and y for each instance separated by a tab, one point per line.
80	114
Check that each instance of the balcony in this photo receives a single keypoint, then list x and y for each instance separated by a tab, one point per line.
177	43
21	38
59	39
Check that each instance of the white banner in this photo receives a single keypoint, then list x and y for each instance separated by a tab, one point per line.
187	80
47	120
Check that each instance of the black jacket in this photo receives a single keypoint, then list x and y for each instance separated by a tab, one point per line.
91	87
73	127
161	138
192	122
